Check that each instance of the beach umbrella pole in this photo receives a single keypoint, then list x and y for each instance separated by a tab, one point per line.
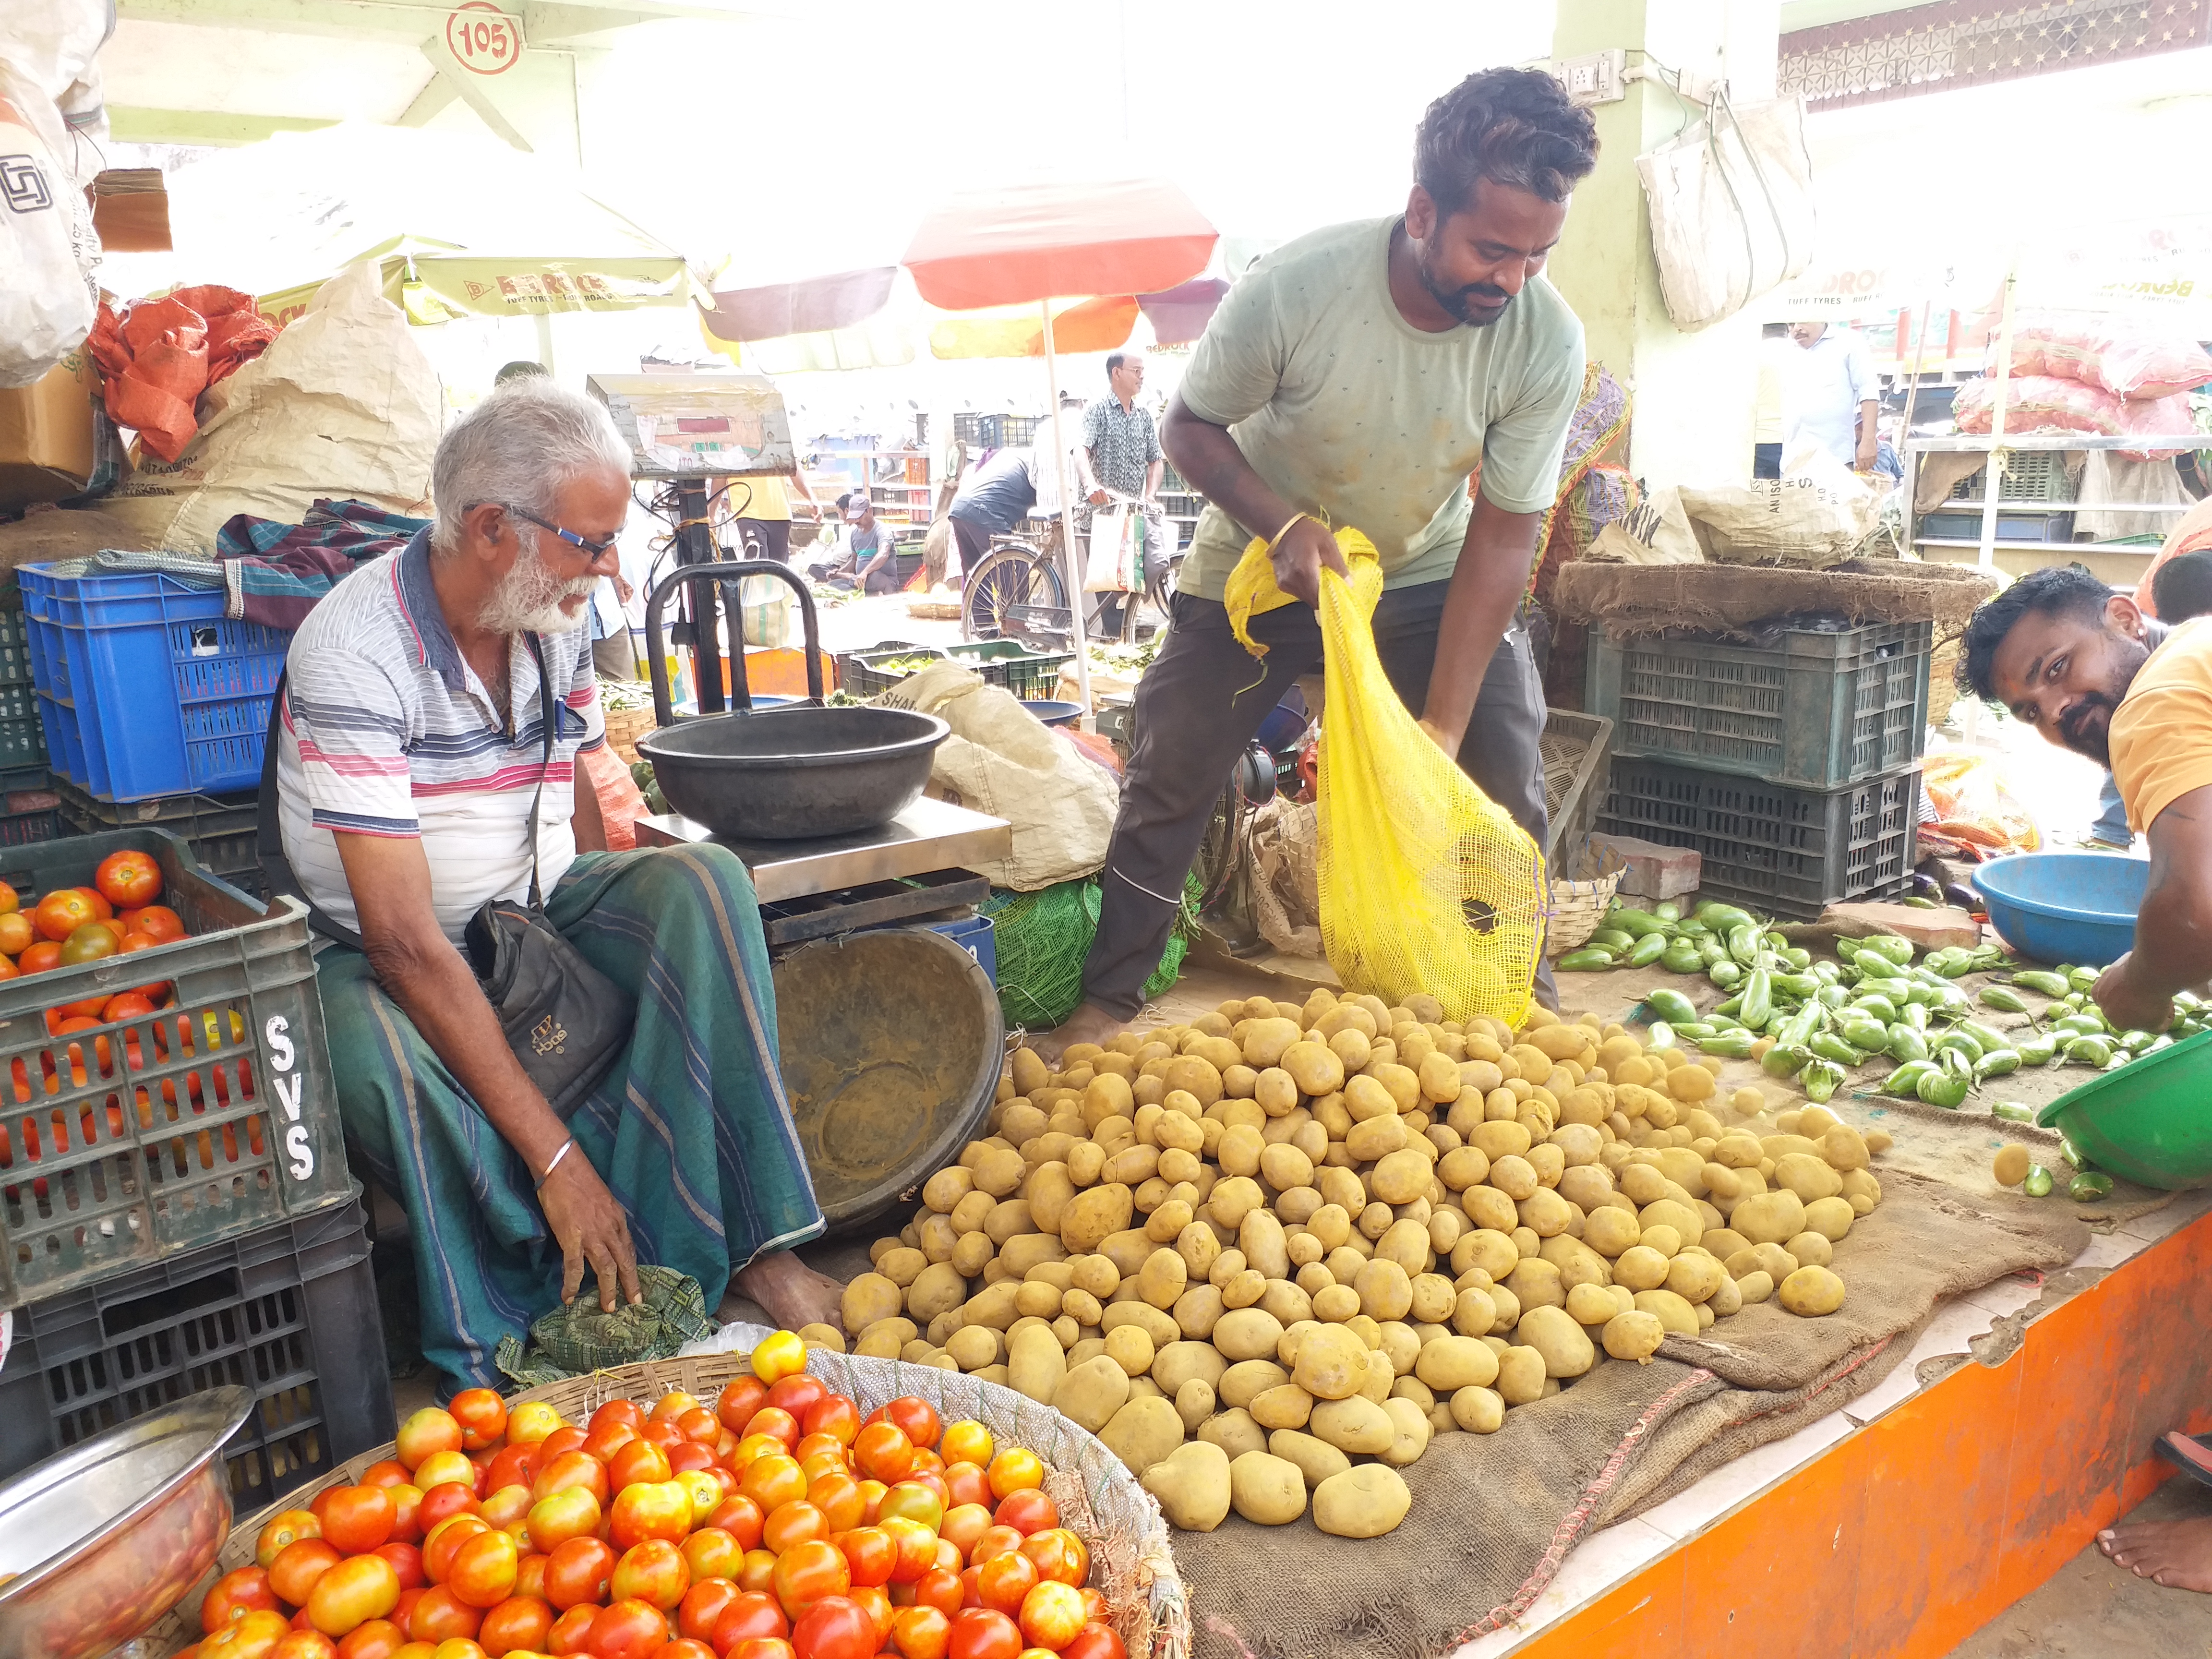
1067	527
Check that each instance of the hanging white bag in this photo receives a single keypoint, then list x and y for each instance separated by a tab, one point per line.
48	247
1731	207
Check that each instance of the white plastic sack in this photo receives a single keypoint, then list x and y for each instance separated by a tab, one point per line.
1002	760
49	252
770	610
1731	206
343	404
1112	564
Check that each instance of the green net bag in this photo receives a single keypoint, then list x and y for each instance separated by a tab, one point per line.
1041	937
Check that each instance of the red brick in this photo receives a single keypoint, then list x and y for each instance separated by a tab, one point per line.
1653	871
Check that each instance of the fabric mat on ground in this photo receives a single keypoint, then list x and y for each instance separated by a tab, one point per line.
1720	599
1493	1515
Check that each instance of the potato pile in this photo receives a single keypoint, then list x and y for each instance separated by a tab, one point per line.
1250	1251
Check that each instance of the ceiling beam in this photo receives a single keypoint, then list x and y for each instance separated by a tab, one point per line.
414	20
430	102
473	91
133	125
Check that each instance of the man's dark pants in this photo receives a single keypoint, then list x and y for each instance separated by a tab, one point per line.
1201	702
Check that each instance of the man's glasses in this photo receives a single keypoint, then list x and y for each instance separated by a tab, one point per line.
598	549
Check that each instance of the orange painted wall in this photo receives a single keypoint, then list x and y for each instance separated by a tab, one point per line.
1922	1526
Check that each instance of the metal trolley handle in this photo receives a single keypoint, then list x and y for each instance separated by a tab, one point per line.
656	604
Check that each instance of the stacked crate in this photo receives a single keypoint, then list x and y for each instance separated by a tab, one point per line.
1793	767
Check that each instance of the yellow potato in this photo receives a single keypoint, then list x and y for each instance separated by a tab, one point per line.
1364	1502
1266	1490
2010	1165
1635	1335
1192	1483
1091	1393
1479	1411
1553	1334
1811	1292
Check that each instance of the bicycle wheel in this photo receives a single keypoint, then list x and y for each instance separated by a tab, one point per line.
1007	578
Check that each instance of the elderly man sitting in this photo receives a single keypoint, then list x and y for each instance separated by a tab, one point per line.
411	752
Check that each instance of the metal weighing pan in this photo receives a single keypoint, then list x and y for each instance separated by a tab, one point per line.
799	772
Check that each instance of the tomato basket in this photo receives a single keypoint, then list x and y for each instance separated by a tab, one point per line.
1097	1496
216	1116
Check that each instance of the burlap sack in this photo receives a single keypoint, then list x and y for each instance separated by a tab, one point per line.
1493	1515
1285	859
1813	522
1002	760
1724	599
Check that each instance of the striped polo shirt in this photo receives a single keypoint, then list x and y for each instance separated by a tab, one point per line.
389	732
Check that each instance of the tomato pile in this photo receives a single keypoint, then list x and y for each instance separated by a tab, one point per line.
776	1523
118	915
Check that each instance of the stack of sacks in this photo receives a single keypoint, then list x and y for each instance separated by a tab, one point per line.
2089	373
158	355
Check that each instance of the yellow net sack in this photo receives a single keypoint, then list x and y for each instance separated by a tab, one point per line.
1427	885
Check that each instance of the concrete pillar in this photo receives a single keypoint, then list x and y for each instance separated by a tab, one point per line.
1694	394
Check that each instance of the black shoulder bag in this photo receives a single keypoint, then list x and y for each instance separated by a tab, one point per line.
564	1019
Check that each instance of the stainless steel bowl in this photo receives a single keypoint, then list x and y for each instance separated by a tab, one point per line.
104	1537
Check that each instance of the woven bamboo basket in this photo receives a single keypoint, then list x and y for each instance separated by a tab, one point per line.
1099	1499
1578	906
624	727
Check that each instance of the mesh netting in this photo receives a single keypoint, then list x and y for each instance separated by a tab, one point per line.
1427	885
1041	939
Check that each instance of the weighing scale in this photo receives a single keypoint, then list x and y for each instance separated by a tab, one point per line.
908	870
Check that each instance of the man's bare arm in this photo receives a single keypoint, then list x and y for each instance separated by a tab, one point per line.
1486	586
2173	931
589	826
425	974
1208	457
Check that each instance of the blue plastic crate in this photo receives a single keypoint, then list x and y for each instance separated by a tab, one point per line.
974	935
144	687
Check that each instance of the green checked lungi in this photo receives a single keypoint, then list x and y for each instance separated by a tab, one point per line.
690	1128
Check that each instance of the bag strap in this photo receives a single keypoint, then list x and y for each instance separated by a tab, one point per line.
546	714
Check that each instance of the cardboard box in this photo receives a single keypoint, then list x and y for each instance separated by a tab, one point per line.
46	439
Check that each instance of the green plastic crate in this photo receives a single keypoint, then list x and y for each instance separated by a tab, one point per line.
1816	710
1024	673
229	1120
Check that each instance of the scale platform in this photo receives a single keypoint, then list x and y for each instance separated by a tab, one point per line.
911	866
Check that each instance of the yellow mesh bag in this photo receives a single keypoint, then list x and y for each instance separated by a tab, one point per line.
1427	885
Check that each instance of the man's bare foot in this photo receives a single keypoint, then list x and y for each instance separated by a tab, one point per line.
1088	1023
2176	1553
791	1293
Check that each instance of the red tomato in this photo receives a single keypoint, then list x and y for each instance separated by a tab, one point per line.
702	1606
1095	1640
983	1633
809	1571
128	879
661	1509
1005	1580
749	1614
379	1638
292	1575
519	1622
440	1615
700	1425
796	1393
407	1514
835	1627
793	1523
775	1421
62	913
158	922
530	1576
572	1630
761	1647
442	1502
1027	1511
571	1468
577	1571
619	1411
870	1553
484	1569
404	1614
996	1541
712	1552
282	1530
483	1417
235	1594
357	1519
939	1587
352	1593
917	1548
565	1438
966	1484
915	1415
1058	1555
629	1629
741	1517
636	1463
882	1452
838	1497
514	1466
389	1473
688	1455
431	1430
684	1647
740	1402
653	1571
833	1415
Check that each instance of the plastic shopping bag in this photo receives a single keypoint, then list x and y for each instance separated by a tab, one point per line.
48	247
1427	885
1111	566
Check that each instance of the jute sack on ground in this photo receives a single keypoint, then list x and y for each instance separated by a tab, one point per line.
1001	760
1494	1516
1286	855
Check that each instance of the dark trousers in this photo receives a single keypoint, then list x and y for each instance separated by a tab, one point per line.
765	538
975	540
1198	706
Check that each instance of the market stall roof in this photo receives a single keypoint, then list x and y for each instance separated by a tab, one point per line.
1016	245
460	225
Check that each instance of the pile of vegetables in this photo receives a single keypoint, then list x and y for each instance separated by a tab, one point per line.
1255	1252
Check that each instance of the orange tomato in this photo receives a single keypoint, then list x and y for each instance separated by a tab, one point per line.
282	1531
482	1569
577	1571
832	1415
234	1595
433	1428
572	1630
671	1406
16	931
762	1647
128	879
9	900
773	1480
738	1402
915	1416
250	1636
356	1519
808	1572
530	1422
920	1632
837	1495
521	1622
351	1593
572	1469
1015	1469
554	1519
702	1606
442	1467
506	1506
1027	1511
940	1588
871	1554
1005	1580
379	1638
636	1462
512	1466
444	1539
712	1552
917	1548
883	1452
655	1572
629	1629
40	957
440	1616
293	1574
749	1616
101	908
966	1442
158	922
742	1518
406	1561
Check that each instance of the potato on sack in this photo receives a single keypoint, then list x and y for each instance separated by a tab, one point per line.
1269	1255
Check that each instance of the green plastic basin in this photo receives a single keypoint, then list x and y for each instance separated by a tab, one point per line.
2147	1121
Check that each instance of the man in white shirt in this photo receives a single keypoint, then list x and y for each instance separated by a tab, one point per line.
1831	397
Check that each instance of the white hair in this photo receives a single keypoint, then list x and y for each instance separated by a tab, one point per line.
517	449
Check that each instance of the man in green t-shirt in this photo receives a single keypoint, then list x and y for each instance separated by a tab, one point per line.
1356	378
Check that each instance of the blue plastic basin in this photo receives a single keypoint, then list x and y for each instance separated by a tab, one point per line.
2077	908
1052	712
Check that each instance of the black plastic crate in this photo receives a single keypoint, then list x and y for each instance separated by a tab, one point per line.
288	1312
1012	665
864	673
224	831
1793	852
1816	709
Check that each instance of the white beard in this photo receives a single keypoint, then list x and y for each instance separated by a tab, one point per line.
528	599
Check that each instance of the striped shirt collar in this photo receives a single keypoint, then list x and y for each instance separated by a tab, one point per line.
425	618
